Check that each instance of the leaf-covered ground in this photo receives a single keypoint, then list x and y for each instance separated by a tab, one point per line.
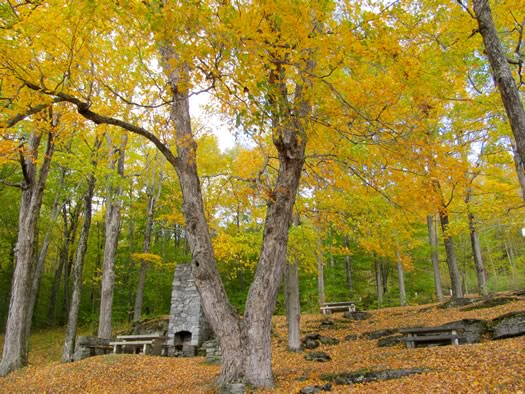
492	366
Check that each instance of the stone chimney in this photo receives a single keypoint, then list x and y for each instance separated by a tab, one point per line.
187	328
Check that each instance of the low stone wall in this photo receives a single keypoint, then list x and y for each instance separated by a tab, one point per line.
88	346
213	351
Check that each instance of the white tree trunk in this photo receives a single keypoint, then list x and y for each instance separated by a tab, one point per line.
14	354
432	237
293	307
113	205
320	273
401	281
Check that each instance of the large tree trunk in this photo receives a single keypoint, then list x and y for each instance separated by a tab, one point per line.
39	268
320	272
293	307
14	354
432	237
113	205
153	196
452	262
506	84
401	281
78	266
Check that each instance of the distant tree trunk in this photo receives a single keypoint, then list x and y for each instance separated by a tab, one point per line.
401	281
320	272
510	257
113	205
348	266
70	257
293	307
51	310
14	354
432	237
476	255
503	78
78	267
379	282
153	197
455	278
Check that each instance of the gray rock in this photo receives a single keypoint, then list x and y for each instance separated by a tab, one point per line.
311	344
317	356
389	341
316	389
328	340
380	333
232	388
351	337
327	324
357	315
471	330
370	376
509	325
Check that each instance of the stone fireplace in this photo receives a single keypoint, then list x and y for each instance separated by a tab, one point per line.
187	328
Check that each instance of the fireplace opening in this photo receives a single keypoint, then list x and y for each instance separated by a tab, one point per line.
182	338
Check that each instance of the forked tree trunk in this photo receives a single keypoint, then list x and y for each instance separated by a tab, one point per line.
432	237
506	84
39	268
14	354
401	281
293	307
452	262
113	205
78	266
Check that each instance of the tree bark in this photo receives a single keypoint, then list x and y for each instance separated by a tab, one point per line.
505	83
39	268
78	267
348	266
320	272
520	170
153	196
452	262
476	248
379	282
432	237
113	206
14	354
293	307
401	281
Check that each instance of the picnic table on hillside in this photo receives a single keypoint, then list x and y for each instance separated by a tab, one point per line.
431	335
330	307
144	343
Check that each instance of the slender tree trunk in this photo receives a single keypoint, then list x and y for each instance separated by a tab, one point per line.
348	266
320	272
506	84
153	196
70	257
14	354
113	206
432	237
452	262
379	282
293	307
78	267
476	255
51	311
401	281
520	169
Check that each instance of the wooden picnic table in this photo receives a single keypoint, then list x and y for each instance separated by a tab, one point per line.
431	335
345	306
144	343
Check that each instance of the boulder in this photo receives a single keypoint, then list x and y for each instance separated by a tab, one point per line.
316	389
370	376
380	333
489	303
457	302
351	337
311	344
328	340
357	315
508	325
327	323
317	356
392	340
471	330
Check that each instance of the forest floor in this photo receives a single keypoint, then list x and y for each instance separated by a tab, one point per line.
487	367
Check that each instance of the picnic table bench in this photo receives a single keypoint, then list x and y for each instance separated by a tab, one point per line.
330	307
146	344
431	335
